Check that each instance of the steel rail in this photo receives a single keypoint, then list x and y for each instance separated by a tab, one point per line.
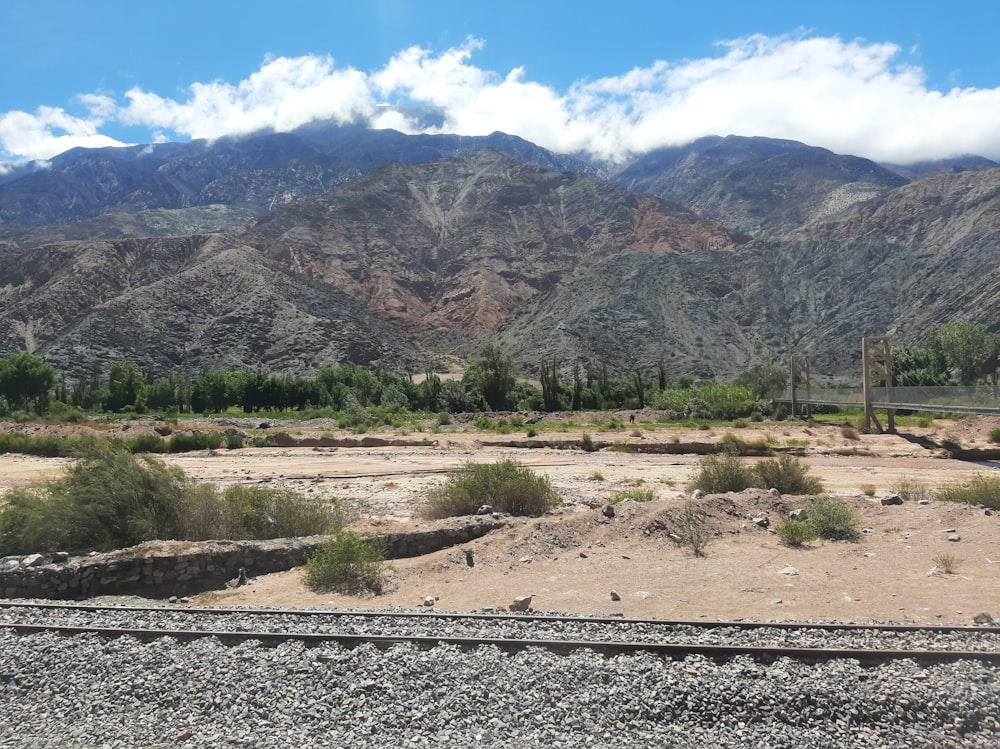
671	650
518	617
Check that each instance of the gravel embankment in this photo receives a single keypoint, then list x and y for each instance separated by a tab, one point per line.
85	691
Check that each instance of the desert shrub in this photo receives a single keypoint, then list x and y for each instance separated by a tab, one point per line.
234	441
587	443
730	444
596	476
979	490
796	533
146	443
787	474
691	529
26	522
636	494
507	486
108	499
718	474
868	490
833	520
348	563
255	512
995	435
911	490
49	447
60	412
849	433
182	443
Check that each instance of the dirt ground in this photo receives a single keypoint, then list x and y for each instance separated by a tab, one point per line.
577	560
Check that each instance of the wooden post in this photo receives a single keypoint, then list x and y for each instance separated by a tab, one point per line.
791	366
876	366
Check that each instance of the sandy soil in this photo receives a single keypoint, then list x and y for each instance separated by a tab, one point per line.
574	558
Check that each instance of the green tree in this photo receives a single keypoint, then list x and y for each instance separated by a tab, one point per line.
25	381
493	376
549	377
125	385
763	379
914	366
965	346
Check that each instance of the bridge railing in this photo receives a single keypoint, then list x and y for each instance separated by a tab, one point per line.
914	398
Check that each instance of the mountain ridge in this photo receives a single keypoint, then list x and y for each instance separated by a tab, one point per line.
771	247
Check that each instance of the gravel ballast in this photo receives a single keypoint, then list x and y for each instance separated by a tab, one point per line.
89	691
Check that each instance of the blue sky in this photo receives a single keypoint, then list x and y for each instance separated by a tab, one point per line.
892	81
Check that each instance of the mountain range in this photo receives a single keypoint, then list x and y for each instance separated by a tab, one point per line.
293	251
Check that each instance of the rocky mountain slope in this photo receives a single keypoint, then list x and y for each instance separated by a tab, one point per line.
761	186
430	247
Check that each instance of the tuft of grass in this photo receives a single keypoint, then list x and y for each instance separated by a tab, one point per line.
636	494
947	563
596	476
507	486
691	529
348	563
981	489
787	474
911	490
833	520
868	490
796	533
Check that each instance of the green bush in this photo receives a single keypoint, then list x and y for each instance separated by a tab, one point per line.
995	435
833	520
348	563
506	486
146	443
234	441
255	512
787	474
182	443
108	499
49	447
587	443
730	444
979	490
796	533
111	499
718	474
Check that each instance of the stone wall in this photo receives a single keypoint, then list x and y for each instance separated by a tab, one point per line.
177	568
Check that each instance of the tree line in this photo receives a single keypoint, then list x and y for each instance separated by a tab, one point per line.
952	353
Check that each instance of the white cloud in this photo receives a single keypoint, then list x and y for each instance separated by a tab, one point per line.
851	97
283	94
49	131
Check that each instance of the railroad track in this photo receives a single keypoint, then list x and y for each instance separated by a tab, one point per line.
874	643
